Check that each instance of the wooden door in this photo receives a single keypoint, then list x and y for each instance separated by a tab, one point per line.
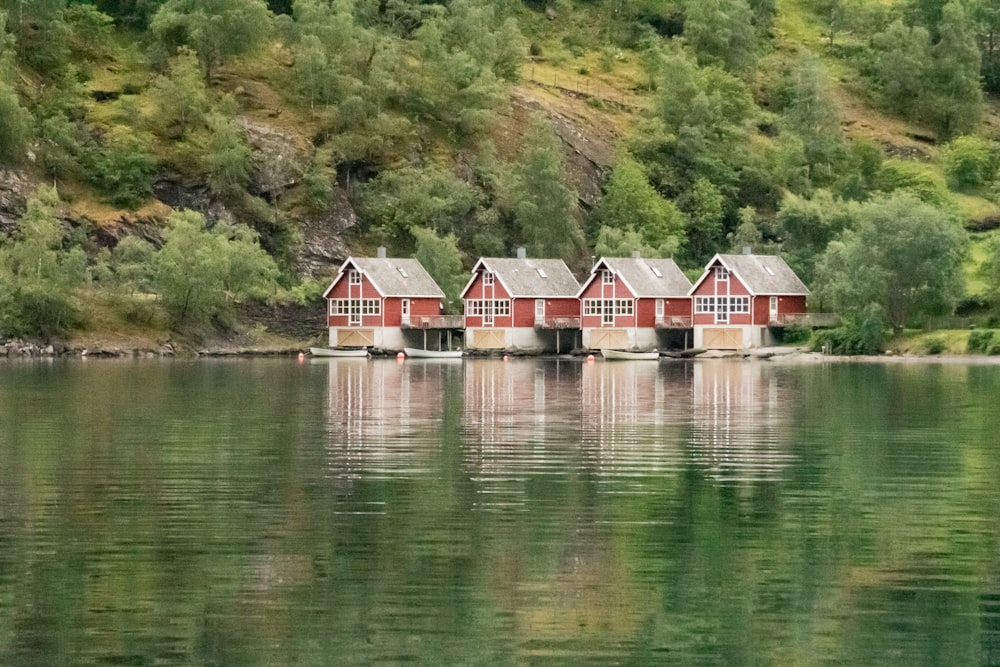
722	338
608	339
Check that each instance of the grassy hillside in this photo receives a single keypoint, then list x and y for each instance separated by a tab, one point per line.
419	119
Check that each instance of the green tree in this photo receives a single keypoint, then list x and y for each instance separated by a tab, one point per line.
226	157
989	270
214	29
200	274
631	203
543	202
42	34
704	121
180	97
443	260
705	209
495	42
15	123
446	83
808	225
402	200
15	120
955	100
987	17
970	162
811	113
722	33
38	275
133	13
311	73
131	264
861	171
621	242
748	233
125	167
903	255
900	67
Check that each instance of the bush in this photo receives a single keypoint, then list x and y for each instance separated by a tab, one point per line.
864	334
969	162
125	169
981	341
795	334
935	345
138	309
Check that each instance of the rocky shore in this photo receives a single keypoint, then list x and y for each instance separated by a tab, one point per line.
17	348
134	349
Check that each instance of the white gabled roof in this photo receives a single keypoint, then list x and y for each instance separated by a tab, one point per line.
760	274
396	277
529	277
645	278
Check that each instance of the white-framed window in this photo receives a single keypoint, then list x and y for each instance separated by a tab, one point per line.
722	304
487	307
607	278
721	274
353	277
355	307
487	278
608	307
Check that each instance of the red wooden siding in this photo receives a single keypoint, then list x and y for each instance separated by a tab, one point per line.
731	287
760	306
391	308
477	290
523	311
597	289
562	307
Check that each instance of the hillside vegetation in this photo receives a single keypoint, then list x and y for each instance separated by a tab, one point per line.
163	163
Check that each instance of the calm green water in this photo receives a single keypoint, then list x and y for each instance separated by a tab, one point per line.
276	512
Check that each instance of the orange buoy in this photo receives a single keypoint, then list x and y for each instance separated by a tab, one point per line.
400	355
302	356
590	358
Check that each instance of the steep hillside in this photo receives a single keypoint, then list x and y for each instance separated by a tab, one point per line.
420	120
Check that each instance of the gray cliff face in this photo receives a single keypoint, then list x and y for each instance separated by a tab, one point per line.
279	160
15	188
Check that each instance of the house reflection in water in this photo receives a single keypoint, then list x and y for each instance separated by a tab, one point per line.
737	419
383	416
517	414
633	413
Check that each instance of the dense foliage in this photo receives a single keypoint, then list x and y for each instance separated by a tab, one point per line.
402	107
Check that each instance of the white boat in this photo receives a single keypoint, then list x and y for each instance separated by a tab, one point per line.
623	355
417	353
338	351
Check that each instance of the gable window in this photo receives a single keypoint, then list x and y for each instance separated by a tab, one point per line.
487	307
608	307
607	278
355	307
354	277
487	278
721	304
721	274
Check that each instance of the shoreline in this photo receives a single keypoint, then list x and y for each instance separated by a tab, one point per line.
20	349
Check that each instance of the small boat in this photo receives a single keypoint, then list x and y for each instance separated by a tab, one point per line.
338	351
417	353
623	355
